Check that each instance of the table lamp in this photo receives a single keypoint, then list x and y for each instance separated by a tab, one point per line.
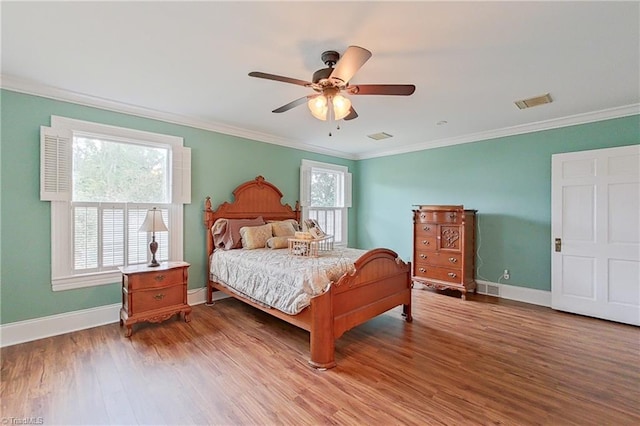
153	223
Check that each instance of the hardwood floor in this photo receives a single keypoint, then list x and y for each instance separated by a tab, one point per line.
480	361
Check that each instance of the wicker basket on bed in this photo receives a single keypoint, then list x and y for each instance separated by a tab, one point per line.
310	248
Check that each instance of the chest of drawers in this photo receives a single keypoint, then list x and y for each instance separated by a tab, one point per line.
444	247
154	294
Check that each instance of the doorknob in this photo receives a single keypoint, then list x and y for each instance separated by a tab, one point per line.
558	244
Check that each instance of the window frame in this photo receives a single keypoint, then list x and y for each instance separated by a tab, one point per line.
346	193
62	275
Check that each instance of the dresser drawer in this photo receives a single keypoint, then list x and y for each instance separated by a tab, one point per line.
425	243
424	270
426	229
439	217
436	258
147	300
156	279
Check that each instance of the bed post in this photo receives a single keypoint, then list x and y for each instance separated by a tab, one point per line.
322	331
208	223
406	308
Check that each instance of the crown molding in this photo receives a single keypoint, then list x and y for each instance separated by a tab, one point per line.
572	120
36	89
31	88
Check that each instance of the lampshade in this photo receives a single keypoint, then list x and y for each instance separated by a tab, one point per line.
153	222
320	107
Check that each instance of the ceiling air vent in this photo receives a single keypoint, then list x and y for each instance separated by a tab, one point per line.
380	136
531	102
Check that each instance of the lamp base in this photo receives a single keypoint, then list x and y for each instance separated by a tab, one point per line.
153	247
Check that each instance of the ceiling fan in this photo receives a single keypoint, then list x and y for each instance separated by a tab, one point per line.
329	84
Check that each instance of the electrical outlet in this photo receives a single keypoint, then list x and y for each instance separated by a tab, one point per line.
505	274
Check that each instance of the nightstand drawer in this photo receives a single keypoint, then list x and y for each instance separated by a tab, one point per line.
156	279
147	300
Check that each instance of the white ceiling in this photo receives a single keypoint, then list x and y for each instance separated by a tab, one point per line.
188	62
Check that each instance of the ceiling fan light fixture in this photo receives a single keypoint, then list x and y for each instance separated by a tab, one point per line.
320	107
341	107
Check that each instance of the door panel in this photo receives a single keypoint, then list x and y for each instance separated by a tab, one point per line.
596	214
578	276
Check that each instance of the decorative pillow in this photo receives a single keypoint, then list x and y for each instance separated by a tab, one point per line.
220	235
283	229
296	225
254	237
278	242
233	228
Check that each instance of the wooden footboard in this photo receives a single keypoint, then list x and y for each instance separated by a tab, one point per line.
380	282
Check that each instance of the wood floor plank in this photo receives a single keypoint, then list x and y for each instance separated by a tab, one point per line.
479	361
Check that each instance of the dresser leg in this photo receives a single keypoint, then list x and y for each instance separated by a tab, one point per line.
187	316
129	331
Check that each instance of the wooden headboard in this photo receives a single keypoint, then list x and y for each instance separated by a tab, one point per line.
251	199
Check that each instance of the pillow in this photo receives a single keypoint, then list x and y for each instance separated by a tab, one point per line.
220	235
254	237
233	228
293	222
283	229
278	242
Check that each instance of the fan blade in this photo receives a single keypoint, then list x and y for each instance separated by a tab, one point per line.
279	78
382	89
293	104
352	60
352	114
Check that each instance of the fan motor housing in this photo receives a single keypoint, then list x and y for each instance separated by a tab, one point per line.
322	74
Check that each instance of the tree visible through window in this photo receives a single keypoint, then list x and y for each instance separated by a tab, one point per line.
119	172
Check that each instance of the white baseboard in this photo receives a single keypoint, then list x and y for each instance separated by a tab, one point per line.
512	292
39	328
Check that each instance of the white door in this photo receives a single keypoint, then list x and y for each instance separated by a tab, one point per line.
595	226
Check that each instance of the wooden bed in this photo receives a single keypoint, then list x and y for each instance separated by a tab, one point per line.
381	280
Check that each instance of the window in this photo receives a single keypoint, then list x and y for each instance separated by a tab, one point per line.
325	195
101	181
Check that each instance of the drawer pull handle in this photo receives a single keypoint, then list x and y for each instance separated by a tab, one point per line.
423	270
425	242
451	274
159	296
452	215
427	228
422	216
423	256
453	260
159	278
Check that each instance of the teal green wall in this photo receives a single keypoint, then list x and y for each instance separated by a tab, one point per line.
508	180
219	164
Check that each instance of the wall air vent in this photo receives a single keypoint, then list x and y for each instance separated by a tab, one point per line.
380	136
531	102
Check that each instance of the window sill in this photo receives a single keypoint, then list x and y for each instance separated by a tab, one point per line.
85	280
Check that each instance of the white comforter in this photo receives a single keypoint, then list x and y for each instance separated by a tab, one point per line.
277	279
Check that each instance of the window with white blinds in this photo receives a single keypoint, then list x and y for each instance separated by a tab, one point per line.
325	195
101	181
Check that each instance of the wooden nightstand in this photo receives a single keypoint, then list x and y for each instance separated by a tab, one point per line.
154	294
